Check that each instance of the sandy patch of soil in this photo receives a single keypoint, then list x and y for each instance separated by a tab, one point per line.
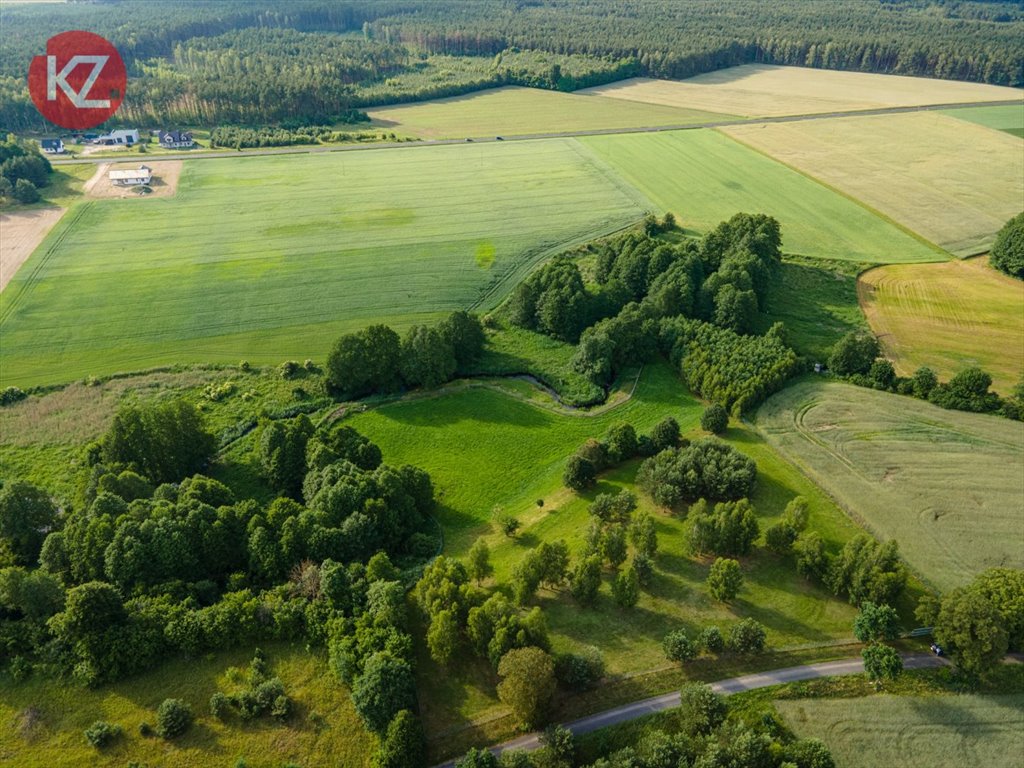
165	179
20	233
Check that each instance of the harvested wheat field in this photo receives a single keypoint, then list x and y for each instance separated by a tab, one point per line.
165	179
952	182
20	233
949	317
766	90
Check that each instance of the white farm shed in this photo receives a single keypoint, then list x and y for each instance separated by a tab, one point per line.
132	178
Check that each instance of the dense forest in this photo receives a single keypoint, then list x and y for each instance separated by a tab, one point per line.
309	60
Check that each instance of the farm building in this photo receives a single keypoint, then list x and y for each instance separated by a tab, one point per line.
52	146
126	137
176	140
141	176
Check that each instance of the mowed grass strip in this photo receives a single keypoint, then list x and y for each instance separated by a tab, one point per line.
951	182
768	90
949	317
516	111
42	720
932	731
947	485
268	258
704	177
1008	118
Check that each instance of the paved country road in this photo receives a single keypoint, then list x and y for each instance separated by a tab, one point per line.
627	712
313	149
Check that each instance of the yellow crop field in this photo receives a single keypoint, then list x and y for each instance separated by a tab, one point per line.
948	316
766	90
952	182
515	111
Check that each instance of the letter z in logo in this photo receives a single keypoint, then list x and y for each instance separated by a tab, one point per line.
80	82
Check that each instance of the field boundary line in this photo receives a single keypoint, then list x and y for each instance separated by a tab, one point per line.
946	255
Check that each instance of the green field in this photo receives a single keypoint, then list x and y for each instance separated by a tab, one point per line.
42	720
272	257
947	485
484	448
704	177
1008	118
515	111
931	732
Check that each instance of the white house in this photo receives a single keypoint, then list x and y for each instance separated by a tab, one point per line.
52	146
132	178
176	140
125	137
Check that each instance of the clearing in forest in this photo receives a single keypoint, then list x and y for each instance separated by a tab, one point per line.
949	317
270	258
935	731
768	90
947	485
951	182
516	111
704	177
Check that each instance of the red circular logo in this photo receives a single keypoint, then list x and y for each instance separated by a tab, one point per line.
80	81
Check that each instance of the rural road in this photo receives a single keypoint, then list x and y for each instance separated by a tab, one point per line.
626	712
185	155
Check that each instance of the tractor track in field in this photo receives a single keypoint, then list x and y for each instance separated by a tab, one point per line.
314	149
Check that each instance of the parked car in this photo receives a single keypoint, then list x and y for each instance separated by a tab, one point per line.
936	649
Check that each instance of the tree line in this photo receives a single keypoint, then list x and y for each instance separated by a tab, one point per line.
258	63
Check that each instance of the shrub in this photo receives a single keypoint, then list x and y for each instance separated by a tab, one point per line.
665	434
101	734
725	579
678	647
509	526
173	717
12	395
747	637
289	369
715	419
580	473
219	705
20	668
626	588
580	671
780	538
711	640
527	684
1008	250
701	709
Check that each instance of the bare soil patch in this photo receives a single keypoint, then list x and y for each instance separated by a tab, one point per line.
20	233
165	179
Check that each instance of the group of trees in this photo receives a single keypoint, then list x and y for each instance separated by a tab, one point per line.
979	622
706	469
23	170
377	360
705	732
856	358
620	444
694	301
233	137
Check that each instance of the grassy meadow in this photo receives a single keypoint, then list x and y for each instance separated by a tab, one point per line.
1008	118
951	182
42	720
949	317
768	90
947	485
267	258
516	111
935	731
704	177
